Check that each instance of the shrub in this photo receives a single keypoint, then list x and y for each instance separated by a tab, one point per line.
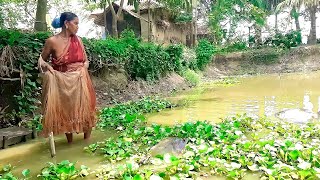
147	61
175	54
264	56
289	40
192	77
235	46
204	52
150	62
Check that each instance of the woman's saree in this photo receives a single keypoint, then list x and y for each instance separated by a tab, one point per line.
68	96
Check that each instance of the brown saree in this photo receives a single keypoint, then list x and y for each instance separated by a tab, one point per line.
68	97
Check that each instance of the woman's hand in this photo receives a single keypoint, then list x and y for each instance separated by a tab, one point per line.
50	68
86	64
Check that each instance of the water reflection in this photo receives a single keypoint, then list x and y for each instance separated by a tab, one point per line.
270	106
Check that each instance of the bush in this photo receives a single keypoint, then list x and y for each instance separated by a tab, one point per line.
192	77
148	61
175	54
20	53
264	56
110	51
235	46
289	40
204	52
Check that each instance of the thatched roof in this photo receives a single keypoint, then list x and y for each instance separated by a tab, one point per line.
99	17
153	5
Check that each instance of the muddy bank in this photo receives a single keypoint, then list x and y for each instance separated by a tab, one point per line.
301	59
112	85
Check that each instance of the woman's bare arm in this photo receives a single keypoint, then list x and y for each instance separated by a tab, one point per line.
47	50
86	62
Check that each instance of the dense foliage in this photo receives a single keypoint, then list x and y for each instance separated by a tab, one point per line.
64	170
6	174
264	55
20	53
289	40
204	52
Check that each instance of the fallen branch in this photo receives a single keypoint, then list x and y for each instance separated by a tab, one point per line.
10	79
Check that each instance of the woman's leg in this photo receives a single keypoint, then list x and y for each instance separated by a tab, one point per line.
69	137
87	134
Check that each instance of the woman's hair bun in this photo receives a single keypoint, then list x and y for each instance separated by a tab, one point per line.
56	23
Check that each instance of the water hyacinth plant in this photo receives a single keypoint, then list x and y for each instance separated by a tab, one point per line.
232	148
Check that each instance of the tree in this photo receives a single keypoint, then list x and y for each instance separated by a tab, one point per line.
271	6
224	12
14	12
41	23
311	6
259	7
115	15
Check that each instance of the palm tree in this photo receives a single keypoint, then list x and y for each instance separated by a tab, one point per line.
261	4
271	7
311	6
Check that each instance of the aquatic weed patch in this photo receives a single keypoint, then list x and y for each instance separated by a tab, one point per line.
6	173
228	81
65	170
230	148
129	114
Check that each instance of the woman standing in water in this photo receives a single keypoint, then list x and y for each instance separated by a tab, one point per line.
68	97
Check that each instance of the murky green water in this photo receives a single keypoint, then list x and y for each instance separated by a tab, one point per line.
35	154
262	95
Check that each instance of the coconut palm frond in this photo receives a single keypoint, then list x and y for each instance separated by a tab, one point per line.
290	4
310	3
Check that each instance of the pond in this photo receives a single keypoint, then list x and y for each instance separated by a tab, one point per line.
257	96
260	95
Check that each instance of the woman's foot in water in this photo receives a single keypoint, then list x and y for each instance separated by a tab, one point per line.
87	135
69	137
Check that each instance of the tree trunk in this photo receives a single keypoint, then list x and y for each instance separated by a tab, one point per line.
115	26
296	20
192	34
41	23
231	33
276	23
195	33
115	17
312	39
295	16
149	21
106	32
257	36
